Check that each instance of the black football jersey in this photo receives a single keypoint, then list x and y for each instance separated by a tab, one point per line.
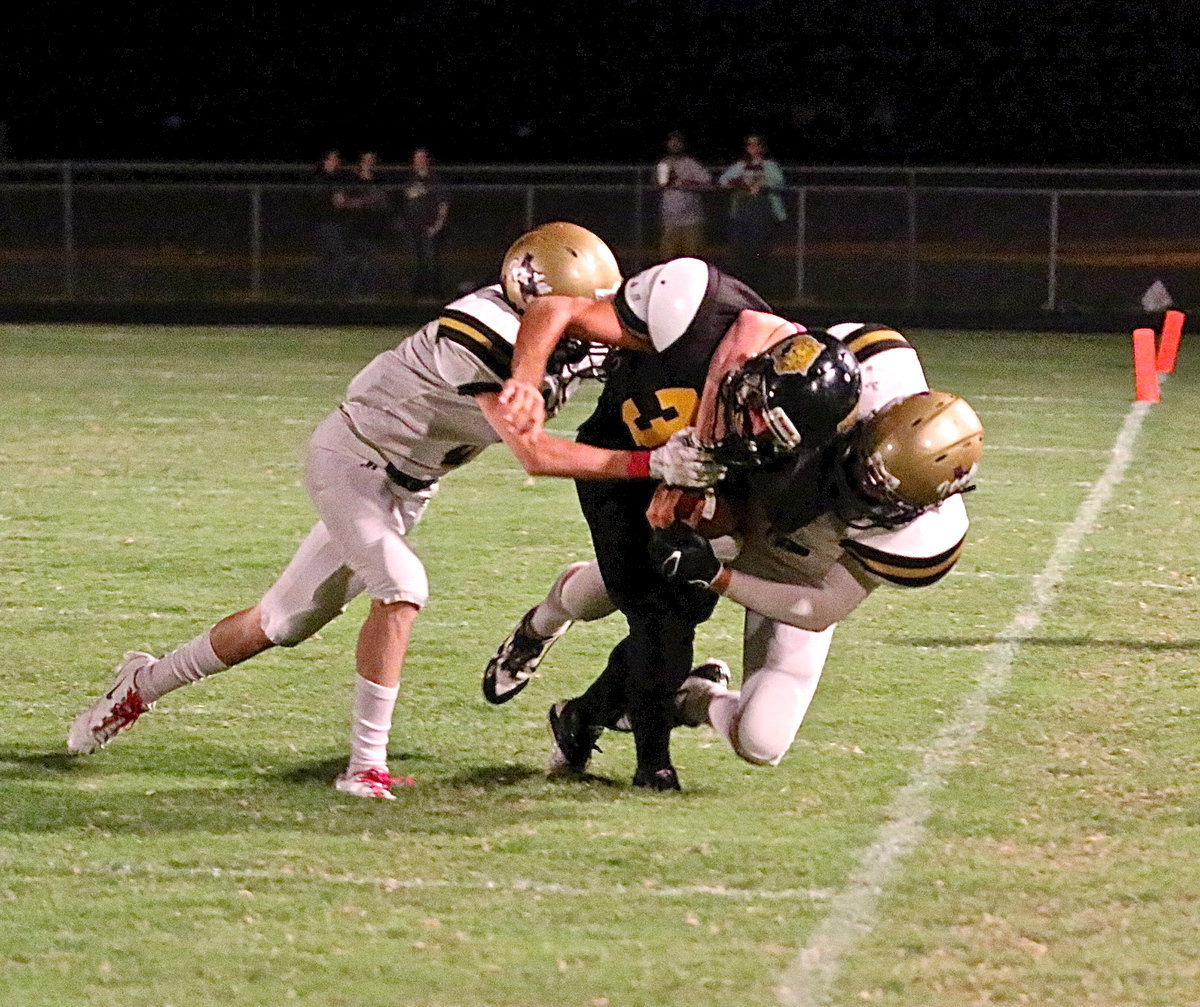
650	396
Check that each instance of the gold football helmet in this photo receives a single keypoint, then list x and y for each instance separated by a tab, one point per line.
909	457
558	258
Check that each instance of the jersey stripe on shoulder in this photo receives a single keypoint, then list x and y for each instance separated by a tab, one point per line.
492	349
872	340
907	571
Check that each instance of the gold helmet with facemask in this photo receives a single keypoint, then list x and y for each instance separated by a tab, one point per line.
910	456
558	258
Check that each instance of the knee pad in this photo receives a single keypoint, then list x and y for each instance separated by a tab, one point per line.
753	749
770	710
314	589
289	629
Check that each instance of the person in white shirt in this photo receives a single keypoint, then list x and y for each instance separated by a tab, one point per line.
681	179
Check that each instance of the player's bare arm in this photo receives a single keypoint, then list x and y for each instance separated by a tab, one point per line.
542	454
546	321
750	335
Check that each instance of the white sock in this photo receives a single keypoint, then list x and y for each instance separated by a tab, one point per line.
372	722
189	663
578	595
721	711
549	617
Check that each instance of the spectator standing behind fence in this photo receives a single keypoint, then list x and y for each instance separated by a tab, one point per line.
367	209
755	211
681	179
333	256
424	212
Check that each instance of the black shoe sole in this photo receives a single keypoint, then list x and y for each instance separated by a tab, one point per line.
497	698
710	672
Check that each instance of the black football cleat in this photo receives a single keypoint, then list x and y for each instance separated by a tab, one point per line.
516	660
714	670
707	680
574	740
657	779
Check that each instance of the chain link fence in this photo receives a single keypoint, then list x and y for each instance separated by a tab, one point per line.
871	239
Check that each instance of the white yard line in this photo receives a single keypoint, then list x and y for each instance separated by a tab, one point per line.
1044	449
853	911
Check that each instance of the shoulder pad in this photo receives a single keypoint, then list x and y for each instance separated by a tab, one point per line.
660	303
866	339
887	377
843	330
486	309
918	553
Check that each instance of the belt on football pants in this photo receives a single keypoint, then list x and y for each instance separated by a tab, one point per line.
405	481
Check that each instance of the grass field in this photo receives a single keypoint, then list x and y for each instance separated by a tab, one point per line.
994	799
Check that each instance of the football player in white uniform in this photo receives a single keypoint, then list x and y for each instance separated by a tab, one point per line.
813	540
409	417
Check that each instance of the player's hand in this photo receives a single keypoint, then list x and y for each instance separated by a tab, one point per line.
524	409
683	556
683	461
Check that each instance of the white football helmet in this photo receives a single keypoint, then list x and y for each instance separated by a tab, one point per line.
662	301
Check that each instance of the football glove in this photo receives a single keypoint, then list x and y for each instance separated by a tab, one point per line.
683	556
682	461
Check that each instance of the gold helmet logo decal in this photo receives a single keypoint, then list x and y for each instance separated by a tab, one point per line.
529	280
798	355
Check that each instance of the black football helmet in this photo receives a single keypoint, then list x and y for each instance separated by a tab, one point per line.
906	459
795	395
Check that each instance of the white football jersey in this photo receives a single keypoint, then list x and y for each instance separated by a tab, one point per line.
913	555
414	403
918	553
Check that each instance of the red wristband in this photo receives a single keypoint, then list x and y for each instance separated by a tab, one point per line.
639	465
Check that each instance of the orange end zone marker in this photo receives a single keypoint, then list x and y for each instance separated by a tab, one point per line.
1145	372
1168	348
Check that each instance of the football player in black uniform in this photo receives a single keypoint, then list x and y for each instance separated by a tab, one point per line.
693	339
815	536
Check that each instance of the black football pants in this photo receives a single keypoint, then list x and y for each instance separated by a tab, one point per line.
646	668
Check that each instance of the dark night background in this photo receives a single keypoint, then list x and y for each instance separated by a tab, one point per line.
1057	82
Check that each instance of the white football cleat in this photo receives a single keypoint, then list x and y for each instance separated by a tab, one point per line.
517	659
375	782
117	710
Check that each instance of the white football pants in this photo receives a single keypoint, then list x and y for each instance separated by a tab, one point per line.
358	545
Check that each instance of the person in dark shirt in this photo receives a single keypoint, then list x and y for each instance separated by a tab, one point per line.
367	207
334	263
424	212
755	211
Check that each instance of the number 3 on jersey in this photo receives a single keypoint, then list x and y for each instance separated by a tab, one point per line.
652	419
